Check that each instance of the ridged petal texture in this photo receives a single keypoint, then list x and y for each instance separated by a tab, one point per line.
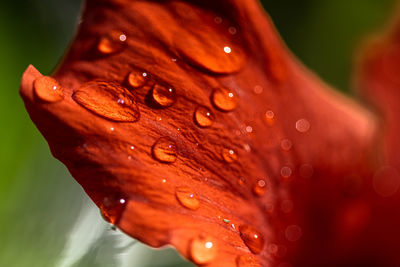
189	123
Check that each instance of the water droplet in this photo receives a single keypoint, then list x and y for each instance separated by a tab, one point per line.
258	89
137	79
286	172
203	117
48	89
165	96
187	197
108	100
286	144
241	181
293	233
386	181
164	150
164	181
227	49
260	187
111	43
269	117
252	238
249	129
112	207
229	155
203	249
218	20
225	99
232	30
226	221
246	261
302	125
247	147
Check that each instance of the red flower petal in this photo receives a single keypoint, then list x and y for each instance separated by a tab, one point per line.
190	124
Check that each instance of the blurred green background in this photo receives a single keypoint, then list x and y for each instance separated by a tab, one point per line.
45	218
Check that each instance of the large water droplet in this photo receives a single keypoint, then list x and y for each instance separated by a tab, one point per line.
137	79
109	100
112	207
164	150
48	89
225	99
229	155
252	238
246	261
303	125
164	96
111	43
260	188
187	197
203	249
203	117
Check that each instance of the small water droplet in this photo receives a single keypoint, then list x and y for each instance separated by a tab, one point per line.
232	30
293	233
226	221
258	89
108	100
112	207
249	129
260	187
203	249
269	117
218	20
203	117
137	79
286	172
165	96
187	197
303	125
111	43
225	99
246	261
227	49
112	129
229	155
286	144
247	147
241	181
48	89
164	181
164	150
252	238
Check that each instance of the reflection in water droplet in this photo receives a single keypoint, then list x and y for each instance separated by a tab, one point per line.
249	129
112	207
286	172
164	150
260	187
165	96
226	221
246	261
386	181
286	144
187	197
48	89
203	249
269	117
136	79
252	238
203	117
111	43
302	125
227	49
293	233
108	100
229	155
225	99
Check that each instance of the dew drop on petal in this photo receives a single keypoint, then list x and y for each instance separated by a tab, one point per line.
112	207
260	188
303	125
203	249
269	117
225	99
232	30
203	117
47	89
293	233
286	172
111	43
137	79
109	100
164	150
227	49
246	261
252	238
165	96
258	89
187	197
286	144
229	155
